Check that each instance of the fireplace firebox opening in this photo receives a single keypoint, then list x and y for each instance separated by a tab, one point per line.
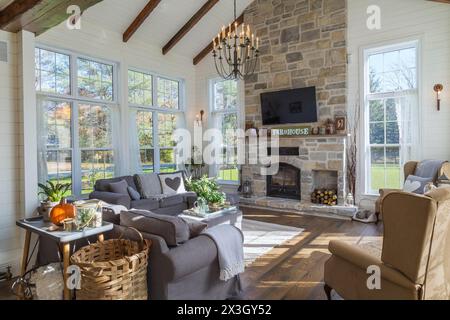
286	183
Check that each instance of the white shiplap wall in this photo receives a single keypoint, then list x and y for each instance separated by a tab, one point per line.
10	155
401	20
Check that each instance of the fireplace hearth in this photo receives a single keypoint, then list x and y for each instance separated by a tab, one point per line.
286	183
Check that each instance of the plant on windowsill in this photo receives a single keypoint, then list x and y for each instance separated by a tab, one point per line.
208	189
53	194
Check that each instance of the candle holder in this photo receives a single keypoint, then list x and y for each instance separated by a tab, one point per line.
438	88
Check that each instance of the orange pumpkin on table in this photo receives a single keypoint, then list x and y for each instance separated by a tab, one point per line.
62	211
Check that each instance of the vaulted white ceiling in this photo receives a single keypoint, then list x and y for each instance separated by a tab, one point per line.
165	21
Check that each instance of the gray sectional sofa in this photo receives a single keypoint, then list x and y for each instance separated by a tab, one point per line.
187	270
151	196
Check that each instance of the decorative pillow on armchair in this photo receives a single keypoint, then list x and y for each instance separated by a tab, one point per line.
172	183
416	184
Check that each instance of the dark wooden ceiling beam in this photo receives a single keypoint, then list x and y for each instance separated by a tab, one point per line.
189	25
441	1
38	16
141	17
16	9
209	48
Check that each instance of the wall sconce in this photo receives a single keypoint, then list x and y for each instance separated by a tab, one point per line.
438	89
199	118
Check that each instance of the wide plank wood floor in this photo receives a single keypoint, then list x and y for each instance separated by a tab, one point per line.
294	270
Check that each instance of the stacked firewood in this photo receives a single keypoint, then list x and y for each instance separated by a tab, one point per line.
324	196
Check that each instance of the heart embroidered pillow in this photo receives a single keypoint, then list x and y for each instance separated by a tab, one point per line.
172	183
414	184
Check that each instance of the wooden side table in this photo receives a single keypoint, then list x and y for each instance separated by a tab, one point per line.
63	238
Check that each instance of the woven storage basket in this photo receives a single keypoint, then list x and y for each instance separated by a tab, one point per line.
113	269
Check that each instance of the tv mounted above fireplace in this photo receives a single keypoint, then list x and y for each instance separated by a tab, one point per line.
289	106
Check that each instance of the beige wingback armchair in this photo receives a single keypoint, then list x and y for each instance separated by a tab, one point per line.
408	169
415	257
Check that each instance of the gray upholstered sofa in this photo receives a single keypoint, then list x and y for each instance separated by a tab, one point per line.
188	271
157	202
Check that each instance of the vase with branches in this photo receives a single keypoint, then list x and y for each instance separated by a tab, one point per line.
352	148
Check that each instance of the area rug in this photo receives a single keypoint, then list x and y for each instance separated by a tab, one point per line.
261	237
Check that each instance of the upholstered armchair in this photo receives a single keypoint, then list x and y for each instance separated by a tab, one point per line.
415	256
408	169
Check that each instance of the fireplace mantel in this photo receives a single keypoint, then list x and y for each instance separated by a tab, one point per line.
315	153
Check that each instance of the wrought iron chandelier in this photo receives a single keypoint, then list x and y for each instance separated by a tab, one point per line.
235	53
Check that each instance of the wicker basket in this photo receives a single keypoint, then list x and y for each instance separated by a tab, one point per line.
113	270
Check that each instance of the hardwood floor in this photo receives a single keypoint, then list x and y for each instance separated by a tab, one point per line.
294	270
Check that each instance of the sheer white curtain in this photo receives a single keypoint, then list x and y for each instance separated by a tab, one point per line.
183	149
42	132
135	154
408	115
116	140
215	123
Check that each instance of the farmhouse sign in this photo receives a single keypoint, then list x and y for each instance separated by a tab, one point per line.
291	131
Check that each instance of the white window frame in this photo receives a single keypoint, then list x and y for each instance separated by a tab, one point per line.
214	113
155	110
365	53
74	99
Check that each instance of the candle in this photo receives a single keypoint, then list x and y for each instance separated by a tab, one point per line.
253	40
223	31
257	42
248	31
214	44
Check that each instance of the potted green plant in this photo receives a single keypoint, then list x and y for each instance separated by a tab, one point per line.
52	194
208	189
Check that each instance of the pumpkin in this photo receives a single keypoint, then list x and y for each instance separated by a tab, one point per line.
62	211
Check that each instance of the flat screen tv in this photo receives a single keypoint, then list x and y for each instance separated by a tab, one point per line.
289	106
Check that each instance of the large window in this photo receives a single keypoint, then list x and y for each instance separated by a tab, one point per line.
155	123
144	121
75	124
52	72
390	112
225	111
58	141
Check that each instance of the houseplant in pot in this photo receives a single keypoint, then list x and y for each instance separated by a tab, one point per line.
52	193
208	189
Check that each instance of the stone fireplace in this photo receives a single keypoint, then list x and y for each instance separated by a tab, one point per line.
319	163
303	44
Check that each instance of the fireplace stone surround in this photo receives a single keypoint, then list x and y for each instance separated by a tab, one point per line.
319	158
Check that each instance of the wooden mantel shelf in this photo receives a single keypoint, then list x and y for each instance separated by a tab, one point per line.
317	136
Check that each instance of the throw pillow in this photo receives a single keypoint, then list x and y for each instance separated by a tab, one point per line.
133	193
172	183
119	187
173	230
148	185
416	184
